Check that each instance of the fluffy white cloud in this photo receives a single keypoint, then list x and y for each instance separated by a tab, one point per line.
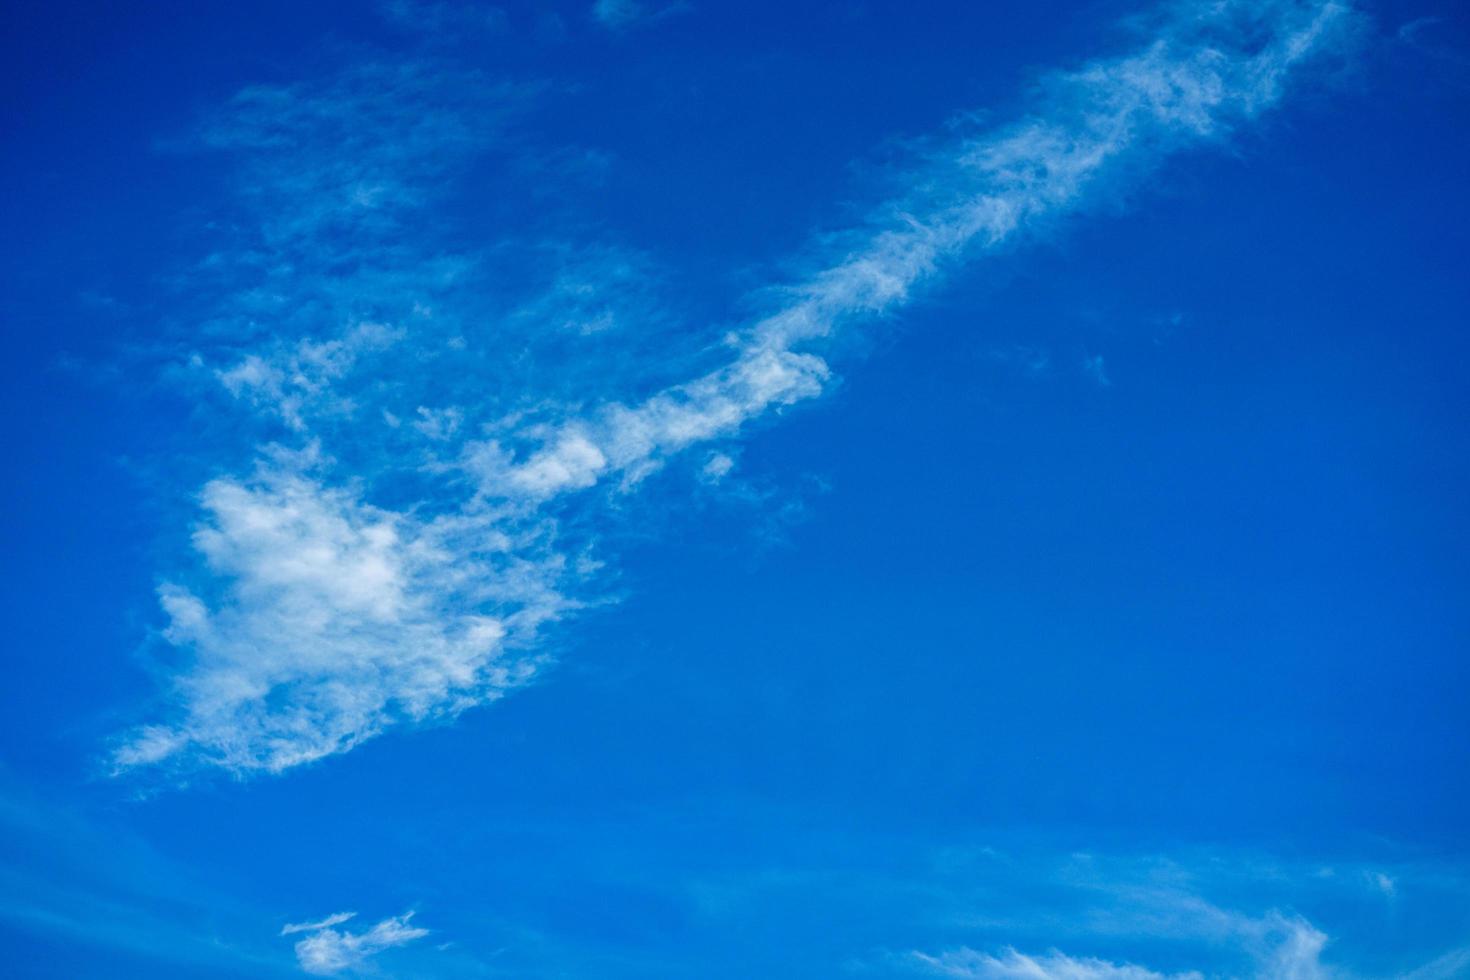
327	950
338	619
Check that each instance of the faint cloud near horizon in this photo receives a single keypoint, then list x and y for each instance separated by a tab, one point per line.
620	15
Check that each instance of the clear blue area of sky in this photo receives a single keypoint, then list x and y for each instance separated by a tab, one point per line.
1147	538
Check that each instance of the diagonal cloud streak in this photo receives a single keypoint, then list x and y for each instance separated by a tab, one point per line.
326	618
1216	66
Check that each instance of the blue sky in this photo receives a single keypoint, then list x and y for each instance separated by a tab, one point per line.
635	489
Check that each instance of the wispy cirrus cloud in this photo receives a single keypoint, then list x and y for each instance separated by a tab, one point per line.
399	539
1208	72
76	878
1012	965
1277	946
620	15
335	919
616	13
1205	915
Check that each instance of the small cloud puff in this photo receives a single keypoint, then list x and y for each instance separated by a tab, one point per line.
716	468
327	951
1382	882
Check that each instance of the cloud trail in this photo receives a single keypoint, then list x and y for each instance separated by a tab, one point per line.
1146	898
1209	71
329	613
1279	947
1011	965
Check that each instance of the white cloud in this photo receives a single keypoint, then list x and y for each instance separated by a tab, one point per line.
717	467
438	424
1295	950
335	919
593	289
325	613
318	239
1122	899
338	619
327	950
1213	67
1011	965
1452	965
1278	946
292	381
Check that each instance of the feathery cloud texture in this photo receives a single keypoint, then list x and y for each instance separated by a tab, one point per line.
328	609
1011	965
1151	899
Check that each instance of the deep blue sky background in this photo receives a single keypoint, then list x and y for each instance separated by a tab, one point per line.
977	597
